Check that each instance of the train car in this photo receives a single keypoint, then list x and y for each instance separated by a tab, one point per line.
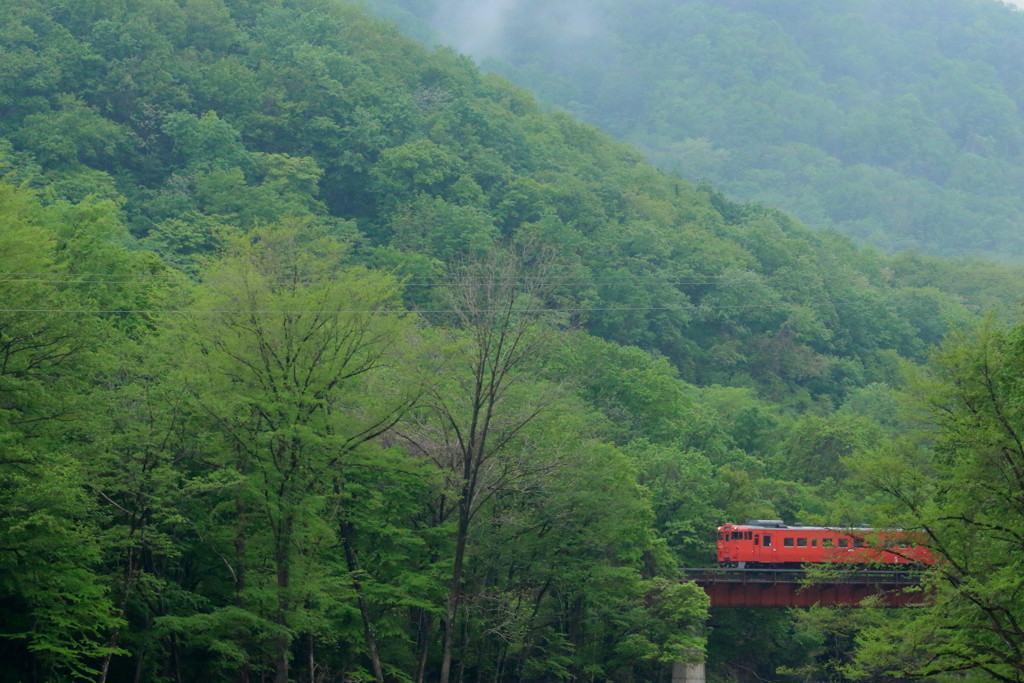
770	543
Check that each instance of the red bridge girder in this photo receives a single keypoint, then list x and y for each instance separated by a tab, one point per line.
789	588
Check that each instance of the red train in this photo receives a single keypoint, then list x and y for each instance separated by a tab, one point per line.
771	543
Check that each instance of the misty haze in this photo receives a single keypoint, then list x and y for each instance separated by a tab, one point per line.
487	29
836	125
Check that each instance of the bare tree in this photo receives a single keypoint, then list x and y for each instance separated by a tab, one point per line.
472	424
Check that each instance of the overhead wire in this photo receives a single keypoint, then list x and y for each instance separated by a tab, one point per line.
75	279
419	281
404	311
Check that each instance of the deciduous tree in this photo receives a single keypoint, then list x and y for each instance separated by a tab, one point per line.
292	366
475	417
962	490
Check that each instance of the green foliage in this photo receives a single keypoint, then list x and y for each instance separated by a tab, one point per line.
245	114
580	531
770	639
262	464
205	143
60	617
72	134
853	117
815	448
433	227
685	493
294	382
224	635
419	166
58	610
962	494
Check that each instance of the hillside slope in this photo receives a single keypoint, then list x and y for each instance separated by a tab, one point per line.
240	115
901	125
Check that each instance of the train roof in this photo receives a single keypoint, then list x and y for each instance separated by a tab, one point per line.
768	524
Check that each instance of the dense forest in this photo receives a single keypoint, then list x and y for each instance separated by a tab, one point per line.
326	357
899	124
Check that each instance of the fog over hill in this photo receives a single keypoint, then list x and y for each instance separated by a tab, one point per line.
898	124
479	27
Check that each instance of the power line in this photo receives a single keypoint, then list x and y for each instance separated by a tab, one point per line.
389	311
396	311
101	279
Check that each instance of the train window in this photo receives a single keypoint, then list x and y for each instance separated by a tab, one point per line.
747	535
827	543
814	543
757	540
737	535
844	542
767	541
858	543
787	542
801	542
722	537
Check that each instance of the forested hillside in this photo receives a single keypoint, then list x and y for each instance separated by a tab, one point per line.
327	357
899	124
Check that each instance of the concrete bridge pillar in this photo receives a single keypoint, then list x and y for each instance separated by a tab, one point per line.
688	673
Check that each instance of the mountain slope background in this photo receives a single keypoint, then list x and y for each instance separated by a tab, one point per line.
899	124
236	117
185	182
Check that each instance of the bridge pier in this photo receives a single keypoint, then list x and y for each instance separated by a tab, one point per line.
684	672
689	672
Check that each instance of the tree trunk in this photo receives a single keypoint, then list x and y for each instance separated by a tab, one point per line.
244	671
282	558
353	568
455	590
312	661
426	627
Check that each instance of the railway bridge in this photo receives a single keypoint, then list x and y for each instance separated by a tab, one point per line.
795	588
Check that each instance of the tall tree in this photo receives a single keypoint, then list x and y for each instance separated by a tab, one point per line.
965	496
474	418
293	352
59	617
